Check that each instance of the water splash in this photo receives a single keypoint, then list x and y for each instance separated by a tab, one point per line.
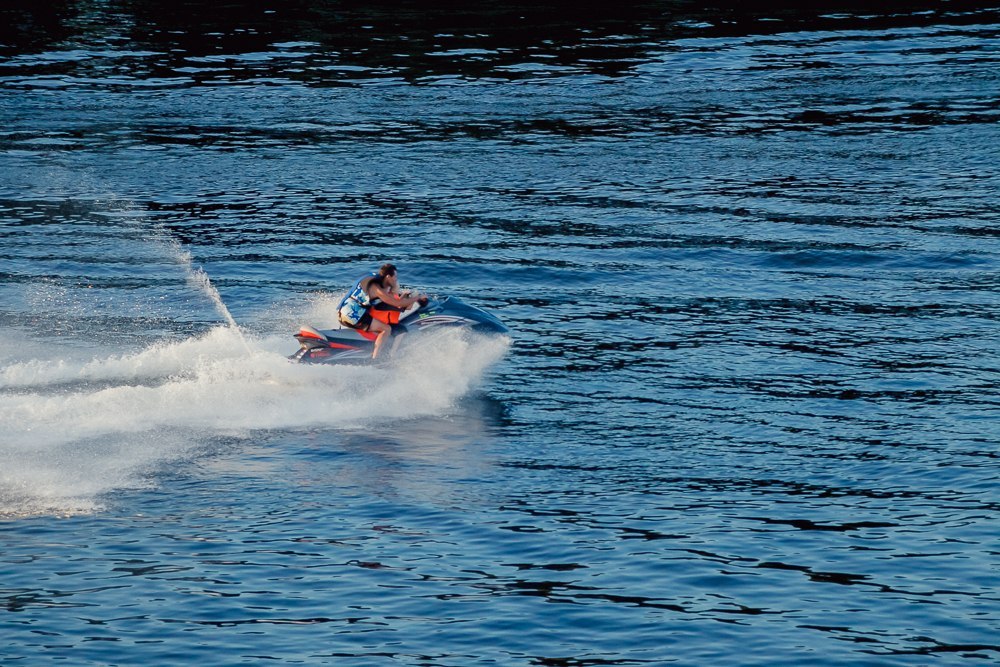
197	278
82	419
195	275
78	430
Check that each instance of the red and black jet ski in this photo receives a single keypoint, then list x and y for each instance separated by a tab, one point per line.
345	345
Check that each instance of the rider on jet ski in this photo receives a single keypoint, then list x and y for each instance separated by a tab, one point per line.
374	304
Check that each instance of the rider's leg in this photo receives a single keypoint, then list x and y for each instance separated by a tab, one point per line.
383	330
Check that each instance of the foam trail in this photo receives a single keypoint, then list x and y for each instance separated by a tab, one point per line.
74	432
159	361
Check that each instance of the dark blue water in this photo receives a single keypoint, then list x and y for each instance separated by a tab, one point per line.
747	415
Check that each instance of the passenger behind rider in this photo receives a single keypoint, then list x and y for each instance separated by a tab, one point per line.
374	304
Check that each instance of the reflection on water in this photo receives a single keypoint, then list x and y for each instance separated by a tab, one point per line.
148	43
450	452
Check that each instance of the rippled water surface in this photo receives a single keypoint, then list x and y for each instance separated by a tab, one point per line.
747	415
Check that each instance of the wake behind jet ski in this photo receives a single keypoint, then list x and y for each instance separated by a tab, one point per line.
342	344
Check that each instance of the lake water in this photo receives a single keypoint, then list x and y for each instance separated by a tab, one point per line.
747	413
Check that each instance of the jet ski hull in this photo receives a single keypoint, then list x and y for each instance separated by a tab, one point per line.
343	345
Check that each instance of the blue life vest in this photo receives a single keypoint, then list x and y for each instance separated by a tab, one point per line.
356	303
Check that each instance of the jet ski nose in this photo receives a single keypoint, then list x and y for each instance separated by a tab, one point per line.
490	325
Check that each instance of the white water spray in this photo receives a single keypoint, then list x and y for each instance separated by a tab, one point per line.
80	420
195	275
76	430
197	278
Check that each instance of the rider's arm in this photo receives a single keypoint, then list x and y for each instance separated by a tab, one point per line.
393	299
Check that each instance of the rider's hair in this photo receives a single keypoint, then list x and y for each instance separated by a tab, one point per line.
384	272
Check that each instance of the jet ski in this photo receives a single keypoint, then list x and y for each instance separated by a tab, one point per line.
345	345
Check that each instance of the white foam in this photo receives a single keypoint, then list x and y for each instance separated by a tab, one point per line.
73	430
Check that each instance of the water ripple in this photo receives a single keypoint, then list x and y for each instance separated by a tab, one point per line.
747	256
